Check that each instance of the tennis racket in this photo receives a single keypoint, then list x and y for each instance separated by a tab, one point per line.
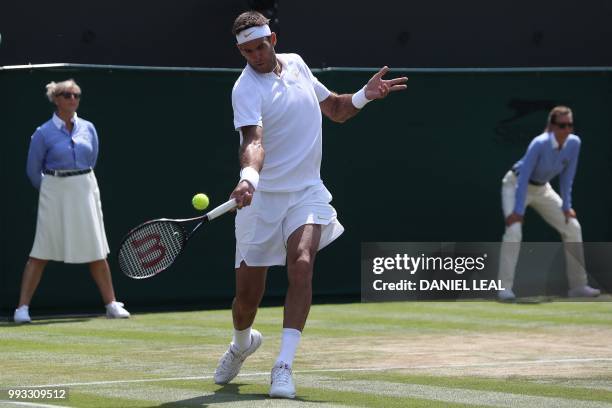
154	245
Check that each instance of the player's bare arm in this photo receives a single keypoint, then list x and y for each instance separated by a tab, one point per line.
251	155
340	108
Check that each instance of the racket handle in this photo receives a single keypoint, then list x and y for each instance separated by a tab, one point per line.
222	209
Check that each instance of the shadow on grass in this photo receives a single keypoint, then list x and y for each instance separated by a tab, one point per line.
12	325
529	300
225	394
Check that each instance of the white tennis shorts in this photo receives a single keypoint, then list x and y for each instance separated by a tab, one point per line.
263	228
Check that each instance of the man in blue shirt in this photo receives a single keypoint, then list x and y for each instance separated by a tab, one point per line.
554	152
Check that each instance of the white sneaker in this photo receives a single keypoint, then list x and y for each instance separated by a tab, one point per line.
22	315
583	291
281	381
231	361
115	310
506	295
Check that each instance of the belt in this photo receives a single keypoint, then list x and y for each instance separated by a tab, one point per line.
66	173
536	183
532	182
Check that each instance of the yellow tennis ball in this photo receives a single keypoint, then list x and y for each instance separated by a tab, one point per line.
200	201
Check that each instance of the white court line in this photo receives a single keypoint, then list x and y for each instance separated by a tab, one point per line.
32	404
332	370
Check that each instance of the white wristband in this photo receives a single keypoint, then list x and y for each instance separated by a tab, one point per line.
359	99
251	175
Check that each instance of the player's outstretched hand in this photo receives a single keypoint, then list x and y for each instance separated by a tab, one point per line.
243	193
378	88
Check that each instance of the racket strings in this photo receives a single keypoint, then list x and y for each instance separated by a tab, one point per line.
151	248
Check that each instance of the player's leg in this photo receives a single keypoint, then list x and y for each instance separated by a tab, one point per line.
310	225
549	205
302	247
259	244
511	239
32	274
250	287
100	272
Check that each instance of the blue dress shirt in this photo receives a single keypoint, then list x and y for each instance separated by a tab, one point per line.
542	162
53	147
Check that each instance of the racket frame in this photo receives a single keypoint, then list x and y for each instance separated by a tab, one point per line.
211	215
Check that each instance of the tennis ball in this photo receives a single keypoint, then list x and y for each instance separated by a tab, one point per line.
200	201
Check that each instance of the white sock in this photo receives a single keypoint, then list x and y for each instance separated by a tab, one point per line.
289	343
242	338
23	307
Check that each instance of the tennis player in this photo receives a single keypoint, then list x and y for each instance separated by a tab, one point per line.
554	152
70	226
285	215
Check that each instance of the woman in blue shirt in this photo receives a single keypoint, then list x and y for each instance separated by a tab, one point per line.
69	228
554	152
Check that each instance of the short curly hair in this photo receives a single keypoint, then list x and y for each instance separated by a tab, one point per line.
248	19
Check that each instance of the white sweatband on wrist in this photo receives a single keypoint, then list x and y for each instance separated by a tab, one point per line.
359	99
253	33
251	175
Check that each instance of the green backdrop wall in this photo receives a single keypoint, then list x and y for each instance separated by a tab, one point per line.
422	165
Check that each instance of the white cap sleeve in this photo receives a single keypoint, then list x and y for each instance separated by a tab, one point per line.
246	101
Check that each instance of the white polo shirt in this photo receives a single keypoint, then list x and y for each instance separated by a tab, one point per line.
287	107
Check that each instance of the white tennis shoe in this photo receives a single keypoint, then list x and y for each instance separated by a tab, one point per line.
115	310
231	361
22	315
281	381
